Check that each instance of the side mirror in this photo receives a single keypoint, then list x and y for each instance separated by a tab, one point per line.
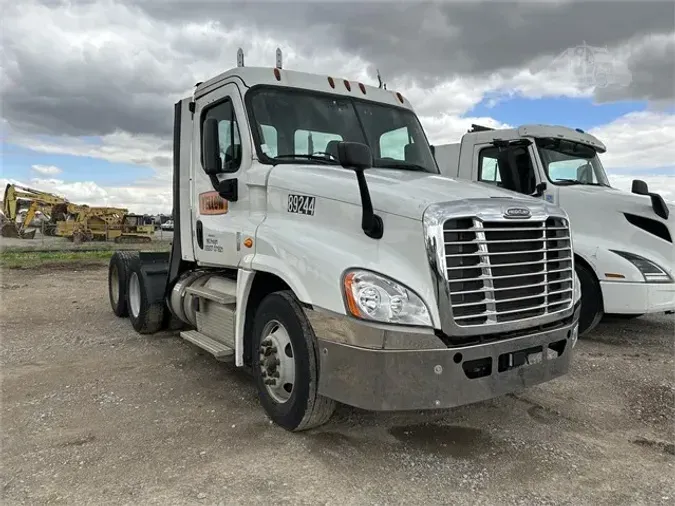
433	150
357	156
211	148
354	155
639	187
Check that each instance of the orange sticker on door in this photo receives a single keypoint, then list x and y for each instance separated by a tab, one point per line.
212	203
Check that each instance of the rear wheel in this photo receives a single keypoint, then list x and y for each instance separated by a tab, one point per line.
286	365
118	271
147	316
591	300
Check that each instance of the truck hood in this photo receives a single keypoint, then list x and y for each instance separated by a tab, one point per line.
402	192
611	200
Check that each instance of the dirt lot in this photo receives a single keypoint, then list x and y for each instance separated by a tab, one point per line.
93	413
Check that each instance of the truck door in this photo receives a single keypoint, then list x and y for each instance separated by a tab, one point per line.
509	167
218	222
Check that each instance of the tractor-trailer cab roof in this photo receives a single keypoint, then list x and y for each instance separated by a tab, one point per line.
274	76
539	131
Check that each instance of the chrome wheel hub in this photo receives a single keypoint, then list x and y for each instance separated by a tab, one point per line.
134	294
277	362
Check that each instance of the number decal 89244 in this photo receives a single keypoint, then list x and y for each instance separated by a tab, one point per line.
301	204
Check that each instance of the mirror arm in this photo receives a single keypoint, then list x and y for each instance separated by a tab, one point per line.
371	223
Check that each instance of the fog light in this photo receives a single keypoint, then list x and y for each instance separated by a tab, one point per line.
575	334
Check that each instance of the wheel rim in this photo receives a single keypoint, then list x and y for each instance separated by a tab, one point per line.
134	295
277	362
114	285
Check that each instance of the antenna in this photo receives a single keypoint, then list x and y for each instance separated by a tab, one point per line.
278	58
379	80
240	57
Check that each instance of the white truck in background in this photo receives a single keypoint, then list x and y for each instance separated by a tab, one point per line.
317	246
623	242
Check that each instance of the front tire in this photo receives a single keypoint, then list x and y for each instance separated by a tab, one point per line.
286	364
591	300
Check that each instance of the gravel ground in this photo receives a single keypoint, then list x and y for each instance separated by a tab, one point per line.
93	413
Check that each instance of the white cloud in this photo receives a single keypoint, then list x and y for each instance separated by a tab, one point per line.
638	141
46	170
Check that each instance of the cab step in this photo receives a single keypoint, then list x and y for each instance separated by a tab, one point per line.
217	349
215	296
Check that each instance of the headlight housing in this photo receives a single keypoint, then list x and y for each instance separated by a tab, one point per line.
374	297
577	288
649	270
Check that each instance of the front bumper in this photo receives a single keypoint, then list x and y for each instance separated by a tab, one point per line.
435	378
637	298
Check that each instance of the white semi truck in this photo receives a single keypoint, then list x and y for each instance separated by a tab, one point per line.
623	242
316	245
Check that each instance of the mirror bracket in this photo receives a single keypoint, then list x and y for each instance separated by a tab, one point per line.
357	157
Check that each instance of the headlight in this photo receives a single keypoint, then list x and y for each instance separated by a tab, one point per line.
577	288
370	296
650	271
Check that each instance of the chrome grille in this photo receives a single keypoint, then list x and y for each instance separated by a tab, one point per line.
507	271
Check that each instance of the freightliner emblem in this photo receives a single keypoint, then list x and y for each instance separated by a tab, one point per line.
517	212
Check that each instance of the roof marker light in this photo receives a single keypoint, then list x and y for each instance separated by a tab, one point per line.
331	82
347	85
399	96
277	74
363	88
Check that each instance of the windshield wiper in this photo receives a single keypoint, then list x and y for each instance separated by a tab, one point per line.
307	157
401	165
576	181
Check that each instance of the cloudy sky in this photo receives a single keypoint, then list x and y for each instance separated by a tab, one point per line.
88	86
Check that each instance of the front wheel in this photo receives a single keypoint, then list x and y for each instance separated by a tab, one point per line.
591	300
286	365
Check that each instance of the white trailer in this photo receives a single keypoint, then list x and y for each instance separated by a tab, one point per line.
623	242
316	245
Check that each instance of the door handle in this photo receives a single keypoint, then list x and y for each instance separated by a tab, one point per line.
200	234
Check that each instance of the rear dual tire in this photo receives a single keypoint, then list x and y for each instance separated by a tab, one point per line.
146	316
121	263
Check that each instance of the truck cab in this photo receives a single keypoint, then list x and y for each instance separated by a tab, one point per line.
317	246
623	242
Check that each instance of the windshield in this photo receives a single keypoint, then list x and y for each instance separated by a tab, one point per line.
298	124
569	162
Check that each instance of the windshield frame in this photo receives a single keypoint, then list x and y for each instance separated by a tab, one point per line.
267	160
595	163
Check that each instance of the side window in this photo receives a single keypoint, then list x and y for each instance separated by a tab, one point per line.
393	143
488	169
228	133
306	142
269	140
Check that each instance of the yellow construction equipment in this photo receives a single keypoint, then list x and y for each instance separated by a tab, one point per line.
39	201
84	223
73	221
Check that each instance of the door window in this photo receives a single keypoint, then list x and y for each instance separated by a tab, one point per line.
228	133
488	169
509	168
